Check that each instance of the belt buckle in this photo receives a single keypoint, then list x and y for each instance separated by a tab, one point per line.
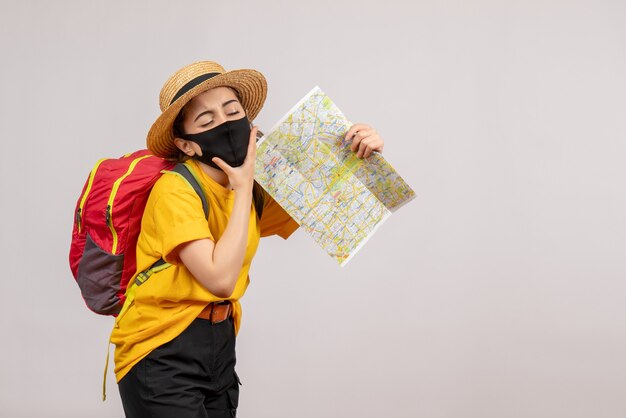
213	311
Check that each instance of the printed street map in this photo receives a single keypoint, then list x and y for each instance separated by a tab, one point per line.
306	165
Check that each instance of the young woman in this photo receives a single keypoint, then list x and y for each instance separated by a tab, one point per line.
175	344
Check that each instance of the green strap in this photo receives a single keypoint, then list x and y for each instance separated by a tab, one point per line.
187	173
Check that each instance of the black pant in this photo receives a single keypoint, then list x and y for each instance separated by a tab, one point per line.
191	376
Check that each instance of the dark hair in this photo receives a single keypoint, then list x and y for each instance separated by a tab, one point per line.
258	194
178	130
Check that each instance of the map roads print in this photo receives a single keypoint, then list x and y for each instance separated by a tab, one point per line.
306	165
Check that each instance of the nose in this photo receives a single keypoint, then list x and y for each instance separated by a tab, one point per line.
219	118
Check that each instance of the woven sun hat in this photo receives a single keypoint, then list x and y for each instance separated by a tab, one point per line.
192	80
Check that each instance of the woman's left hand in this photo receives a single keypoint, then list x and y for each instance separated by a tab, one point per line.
365	140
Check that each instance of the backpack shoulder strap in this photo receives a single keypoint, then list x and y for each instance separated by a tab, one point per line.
186	173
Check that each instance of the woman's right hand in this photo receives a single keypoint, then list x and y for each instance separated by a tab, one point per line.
219	272
242	177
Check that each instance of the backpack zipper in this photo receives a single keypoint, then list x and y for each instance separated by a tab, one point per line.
79	212
109	208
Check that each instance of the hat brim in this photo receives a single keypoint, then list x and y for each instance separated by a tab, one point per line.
252	89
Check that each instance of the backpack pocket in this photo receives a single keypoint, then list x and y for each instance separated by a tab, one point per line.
99	275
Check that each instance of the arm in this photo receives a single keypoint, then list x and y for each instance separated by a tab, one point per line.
216	265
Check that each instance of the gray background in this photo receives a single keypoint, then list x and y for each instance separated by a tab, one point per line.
498	292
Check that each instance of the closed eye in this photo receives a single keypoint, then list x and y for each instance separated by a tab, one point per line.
211	121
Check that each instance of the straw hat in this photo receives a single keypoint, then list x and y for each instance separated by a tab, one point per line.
192	80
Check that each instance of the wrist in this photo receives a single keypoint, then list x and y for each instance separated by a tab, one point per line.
243	190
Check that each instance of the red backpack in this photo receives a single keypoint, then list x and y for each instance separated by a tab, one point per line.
107	222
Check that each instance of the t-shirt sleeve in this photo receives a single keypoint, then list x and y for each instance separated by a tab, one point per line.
275	221
178	217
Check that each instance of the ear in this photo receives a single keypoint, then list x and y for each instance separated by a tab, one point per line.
185	146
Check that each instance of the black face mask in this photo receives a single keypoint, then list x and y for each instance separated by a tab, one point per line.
228	141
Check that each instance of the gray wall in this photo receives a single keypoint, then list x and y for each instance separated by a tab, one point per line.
498	292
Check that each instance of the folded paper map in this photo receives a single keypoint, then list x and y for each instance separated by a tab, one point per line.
306	165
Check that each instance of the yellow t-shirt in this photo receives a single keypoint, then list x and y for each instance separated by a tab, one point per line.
172	298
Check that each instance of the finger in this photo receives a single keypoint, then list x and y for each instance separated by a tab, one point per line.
375	144
376	148
354	129
366	147
370	149
222	164
360	136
